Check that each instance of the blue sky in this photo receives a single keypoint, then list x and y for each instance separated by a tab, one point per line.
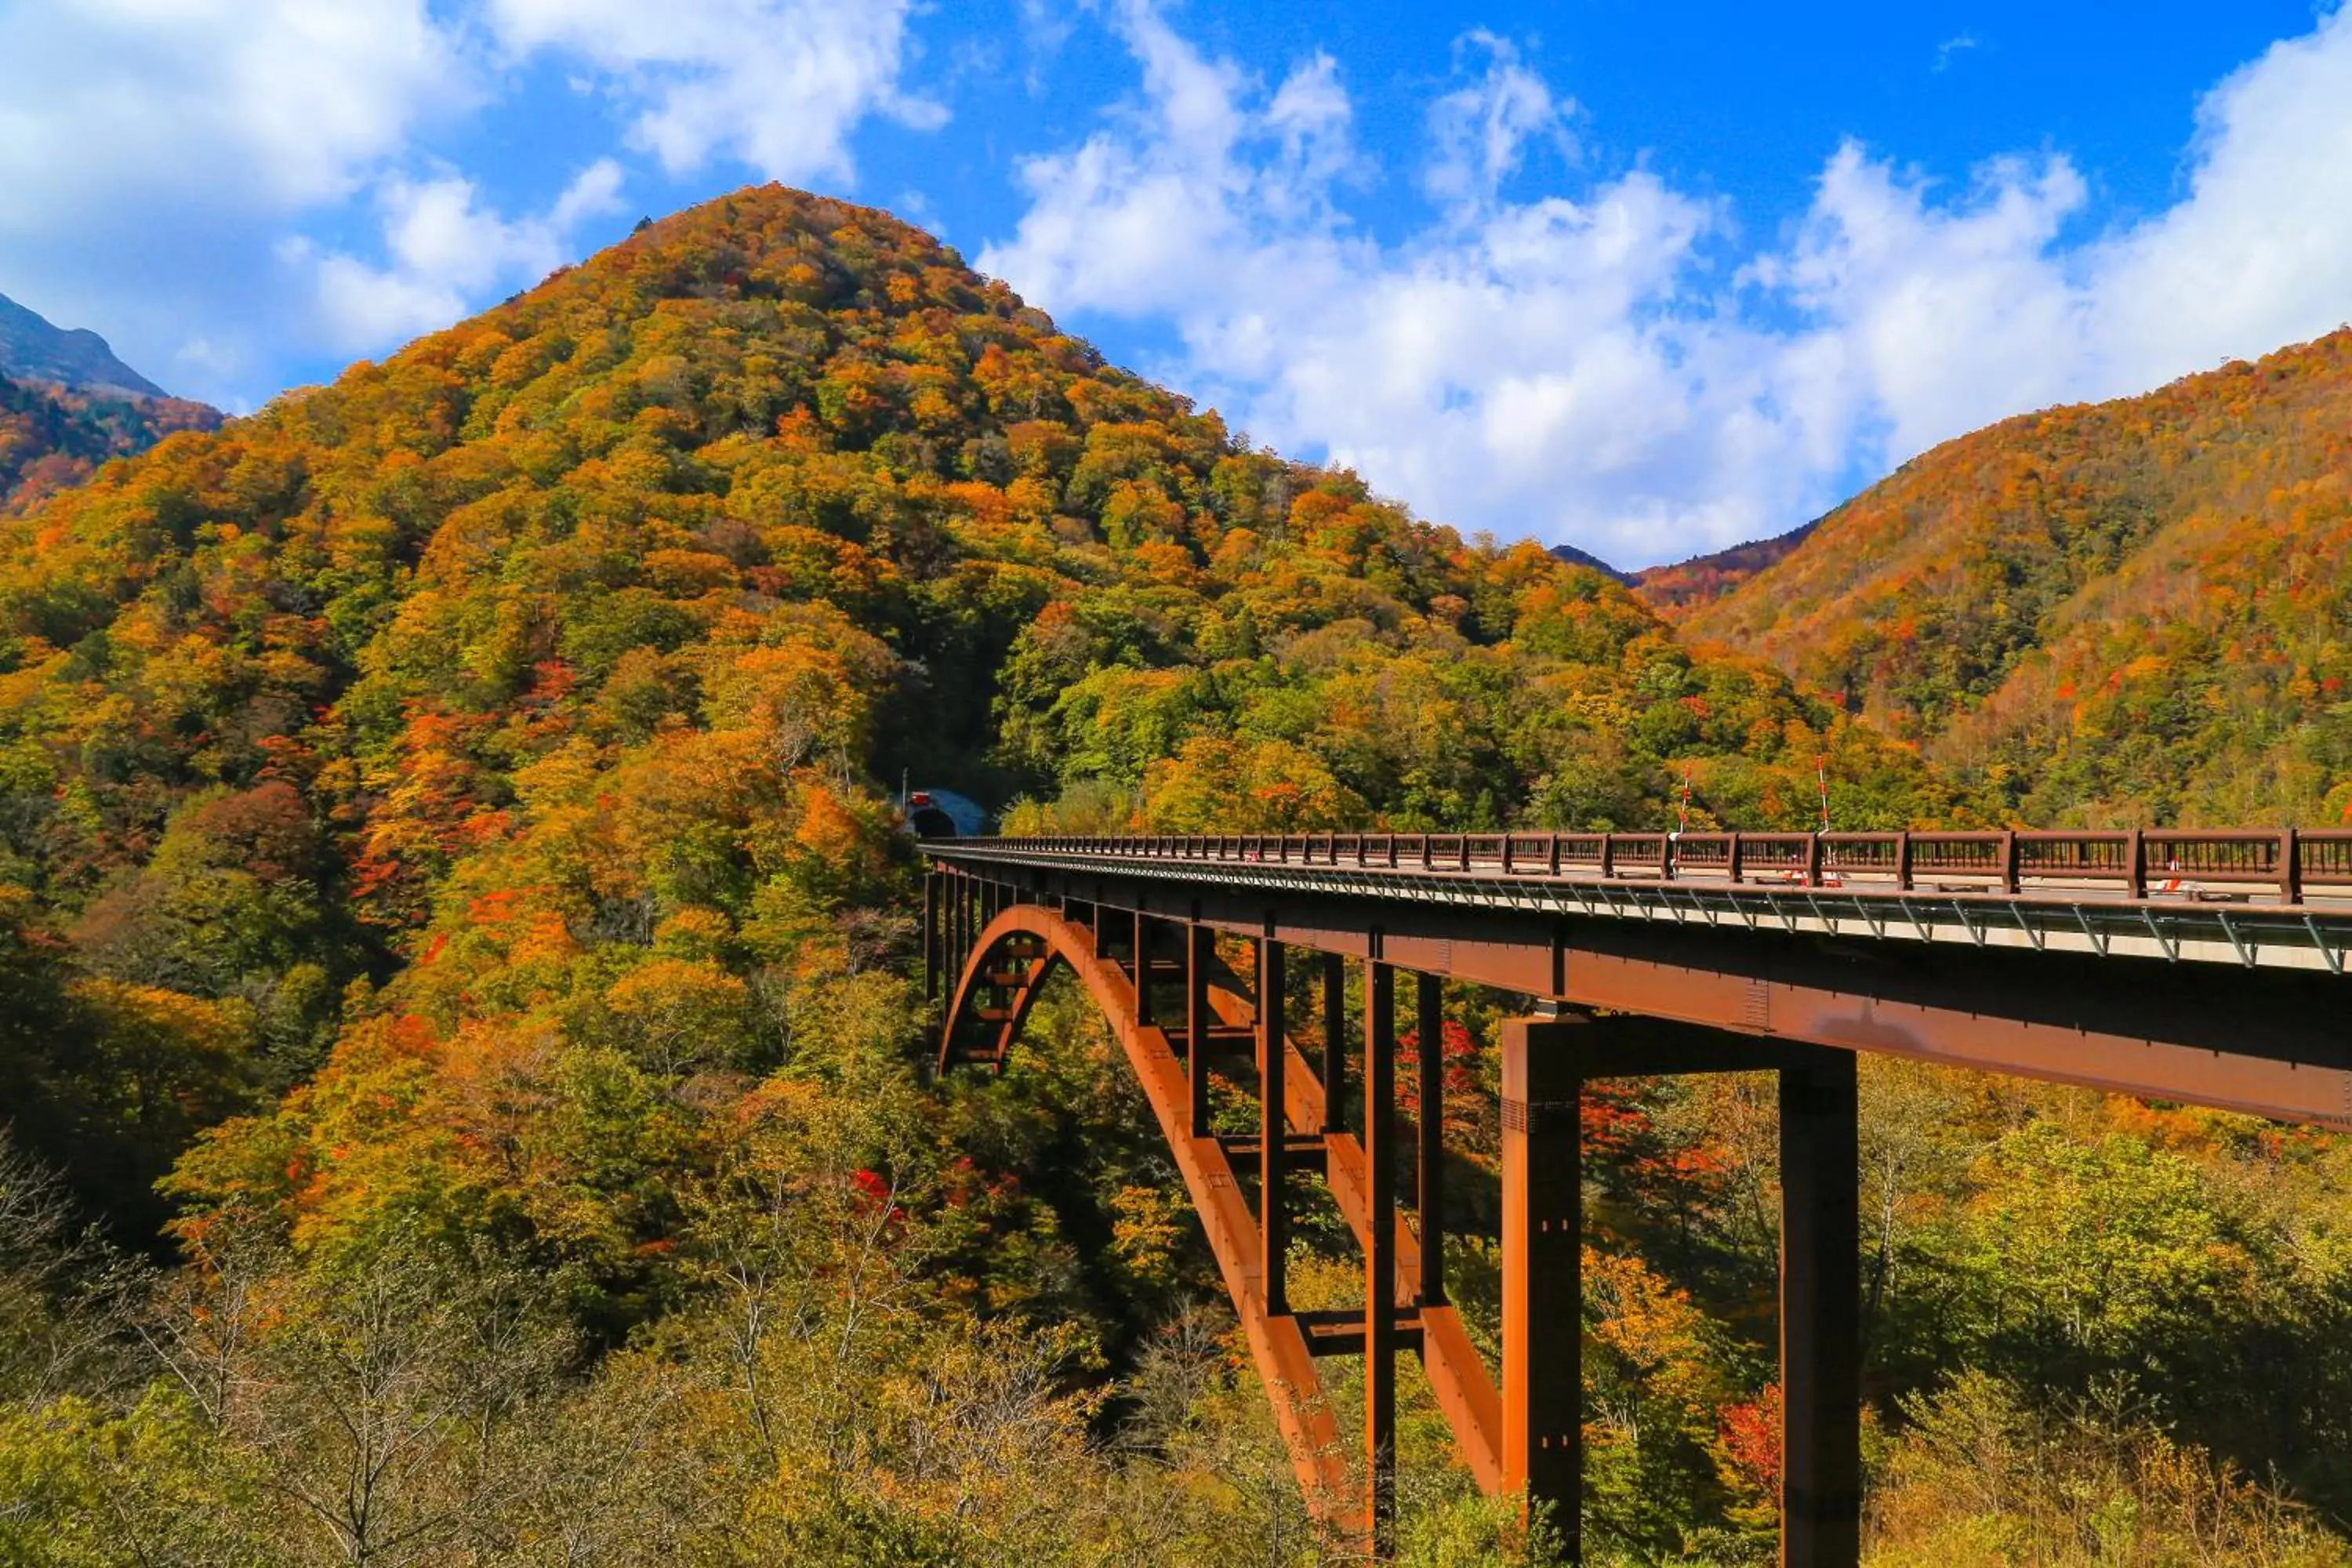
1648	280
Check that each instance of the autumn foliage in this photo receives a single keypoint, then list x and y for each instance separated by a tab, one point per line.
455	922
2131	613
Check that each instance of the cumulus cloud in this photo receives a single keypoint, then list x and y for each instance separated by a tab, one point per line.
774	84
1605	363
1480	131
444	251
172	171
263	103
150	149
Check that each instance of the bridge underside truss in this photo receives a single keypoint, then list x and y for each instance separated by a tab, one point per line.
996	946
2220	1007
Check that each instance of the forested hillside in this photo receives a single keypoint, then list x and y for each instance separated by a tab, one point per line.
778	493
1685	587
2139	612
53	437
456	933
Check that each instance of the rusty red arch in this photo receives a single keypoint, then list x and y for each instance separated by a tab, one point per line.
1004	942
1042	940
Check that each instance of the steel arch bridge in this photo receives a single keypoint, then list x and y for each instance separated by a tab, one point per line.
2203	968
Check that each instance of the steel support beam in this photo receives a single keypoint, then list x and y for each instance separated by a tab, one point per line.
1543	1286
958	920
931	964
1545	1064
1820	1308
1379	1256
1273	1054
1335	1042
1278	1346
1429	1025
1200	950
1142	957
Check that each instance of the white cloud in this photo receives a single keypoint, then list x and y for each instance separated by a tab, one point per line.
1532	367
445	251
263	104
2260	252
775	84
1945	316
170	169
1603	365
1480	131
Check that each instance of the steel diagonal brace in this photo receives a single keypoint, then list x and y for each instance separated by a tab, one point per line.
1926	932
2332	957
2032	933
2245	954
1967	924
2171	948
2098	941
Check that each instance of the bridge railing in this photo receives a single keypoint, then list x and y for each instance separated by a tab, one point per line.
2285	864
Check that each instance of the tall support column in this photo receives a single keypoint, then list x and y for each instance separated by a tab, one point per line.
1543	1290
1429	1024
1274	1218
955	893
1335	1043
1820	1313
1198	952
1142	957
931	965
1379	1256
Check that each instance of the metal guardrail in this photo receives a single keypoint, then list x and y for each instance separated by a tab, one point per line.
2282	866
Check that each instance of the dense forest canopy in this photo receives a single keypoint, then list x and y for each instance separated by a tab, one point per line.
455	920
53	436
777	492
1683	587
2133	613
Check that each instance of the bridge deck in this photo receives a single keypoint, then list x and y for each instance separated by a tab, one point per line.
2222	990
2267	900
2197	968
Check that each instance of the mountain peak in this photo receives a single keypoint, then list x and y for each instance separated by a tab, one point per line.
1575	557
33	349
